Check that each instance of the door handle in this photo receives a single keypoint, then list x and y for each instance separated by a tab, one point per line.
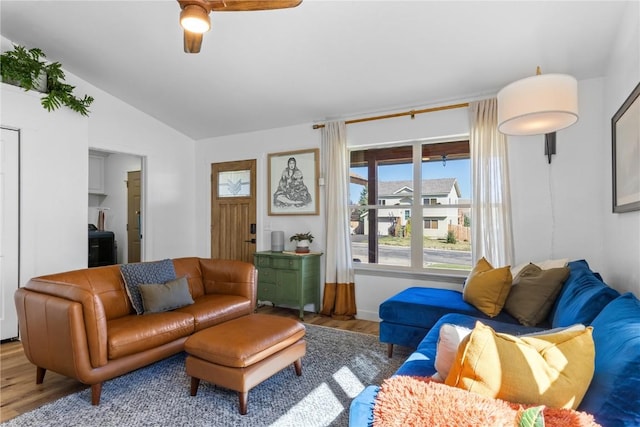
251	241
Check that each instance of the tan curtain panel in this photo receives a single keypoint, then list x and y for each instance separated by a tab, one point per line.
339	299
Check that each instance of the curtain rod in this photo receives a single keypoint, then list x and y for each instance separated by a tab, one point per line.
411	113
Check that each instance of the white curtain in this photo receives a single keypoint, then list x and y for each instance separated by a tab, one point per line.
491	201
339	290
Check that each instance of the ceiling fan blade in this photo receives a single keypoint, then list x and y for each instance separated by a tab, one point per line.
243	5
192	42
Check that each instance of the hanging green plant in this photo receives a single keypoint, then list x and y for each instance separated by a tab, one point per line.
25	68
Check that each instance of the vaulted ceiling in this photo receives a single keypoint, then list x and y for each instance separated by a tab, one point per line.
322	59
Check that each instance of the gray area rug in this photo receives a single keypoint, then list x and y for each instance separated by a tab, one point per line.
337	366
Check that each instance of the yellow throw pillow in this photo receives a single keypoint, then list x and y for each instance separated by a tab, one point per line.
487	288
553	369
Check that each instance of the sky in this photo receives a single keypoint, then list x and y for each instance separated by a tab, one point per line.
460	169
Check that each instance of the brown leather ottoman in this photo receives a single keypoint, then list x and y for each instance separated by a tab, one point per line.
241	353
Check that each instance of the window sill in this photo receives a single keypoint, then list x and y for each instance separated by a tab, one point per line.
447	276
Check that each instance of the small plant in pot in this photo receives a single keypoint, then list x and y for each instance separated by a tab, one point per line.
303	240
25	68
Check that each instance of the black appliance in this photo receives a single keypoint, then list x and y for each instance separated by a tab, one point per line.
102	247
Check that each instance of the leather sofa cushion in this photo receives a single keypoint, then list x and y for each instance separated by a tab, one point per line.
209	310
133	334
190	268
105	282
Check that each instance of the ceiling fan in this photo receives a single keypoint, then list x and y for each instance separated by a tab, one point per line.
195	21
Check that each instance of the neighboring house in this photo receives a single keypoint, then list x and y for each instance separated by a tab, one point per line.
437	215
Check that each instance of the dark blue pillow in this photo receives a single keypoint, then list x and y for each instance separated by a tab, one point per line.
614	394
155	272
582	297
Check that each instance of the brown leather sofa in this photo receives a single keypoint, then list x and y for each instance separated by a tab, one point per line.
81	323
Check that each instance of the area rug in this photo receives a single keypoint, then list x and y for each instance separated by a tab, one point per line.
337	366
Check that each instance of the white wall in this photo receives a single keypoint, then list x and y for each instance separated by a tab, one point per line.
556	207
168	177
54	176
256	145
53	183
621	232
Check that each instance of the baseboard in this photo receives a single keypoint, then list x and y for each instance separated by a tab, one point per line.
368	315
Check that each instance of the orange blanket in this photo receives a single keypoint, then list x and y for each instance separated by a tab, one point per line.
413	401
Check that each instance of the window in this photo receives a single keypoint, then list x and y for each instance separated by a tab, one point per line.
386	199
432	201
431	224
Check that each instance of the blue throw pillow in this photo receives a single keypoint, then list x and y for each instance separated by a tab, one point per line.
582	297
614	394
145	272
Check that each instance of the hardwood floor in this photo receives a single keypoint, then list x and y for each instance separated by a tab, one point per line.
19	392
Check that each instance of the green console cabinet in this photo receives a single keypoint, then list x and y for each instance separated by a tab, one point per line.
289	279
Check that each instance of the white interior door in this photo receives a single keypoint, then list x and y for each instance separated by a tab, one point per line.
9	230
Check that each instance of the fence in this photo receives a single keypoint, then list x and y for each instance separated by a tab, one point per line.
461	232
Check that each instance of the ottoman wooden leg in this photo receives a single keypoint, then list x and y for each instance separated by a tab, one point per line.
298	367
243	396
195	382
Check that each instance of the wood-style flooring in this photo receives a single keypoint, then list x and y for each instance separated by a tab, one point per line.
19	392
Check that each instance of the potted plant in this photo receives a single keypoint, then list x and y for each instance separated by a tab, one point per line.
303	240
25	68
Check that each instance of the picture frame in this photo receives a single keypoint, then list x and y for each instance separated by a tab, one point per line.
293	182
625	136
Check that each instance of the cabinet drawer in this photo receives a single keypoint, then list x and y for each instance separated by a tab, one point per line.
266	292
263	261
287	263
266	275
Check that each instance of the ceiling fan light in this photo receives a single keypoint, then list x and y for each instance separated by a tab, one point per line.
194	18
538	105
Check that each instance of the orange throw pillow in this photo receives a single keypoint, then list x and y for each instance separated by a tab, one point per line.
487	288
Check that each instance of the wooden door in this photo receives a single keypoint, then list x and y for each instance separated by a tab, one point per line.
9	230
233	210
134	216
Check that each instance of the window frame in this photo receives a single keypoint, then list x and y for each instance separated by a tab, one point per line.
446	149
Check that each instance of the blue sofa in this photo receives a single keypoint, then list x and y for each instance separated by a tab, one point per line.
413	318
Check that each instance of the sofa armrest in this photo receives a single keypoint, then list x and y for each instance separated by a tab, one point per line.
230	277
53	334
93	315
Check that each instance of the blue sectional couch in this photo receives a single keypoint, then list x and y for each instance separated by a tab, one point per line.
413	318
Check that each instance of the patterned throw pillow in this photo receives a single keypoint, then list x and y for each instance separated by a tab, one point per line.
145	272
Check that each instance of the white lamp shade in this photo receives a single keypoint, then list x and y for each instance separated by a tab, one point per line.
537	105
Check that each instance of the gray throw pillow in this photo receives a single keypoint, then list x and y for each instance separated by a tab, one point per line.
145	272
533	293
166	296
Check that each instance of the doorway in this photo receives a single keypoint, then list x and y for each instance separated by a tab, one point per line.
233	210
134	216
9	229
109	182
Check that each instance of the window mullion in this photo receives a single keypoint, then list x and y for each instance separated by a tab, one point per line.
416	208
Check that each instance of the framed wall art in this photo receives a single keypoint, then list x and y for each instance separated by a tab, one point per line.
625	134
293	182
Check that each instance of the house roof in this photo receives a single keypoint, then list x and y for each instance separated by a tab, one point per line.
323	59
430	187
